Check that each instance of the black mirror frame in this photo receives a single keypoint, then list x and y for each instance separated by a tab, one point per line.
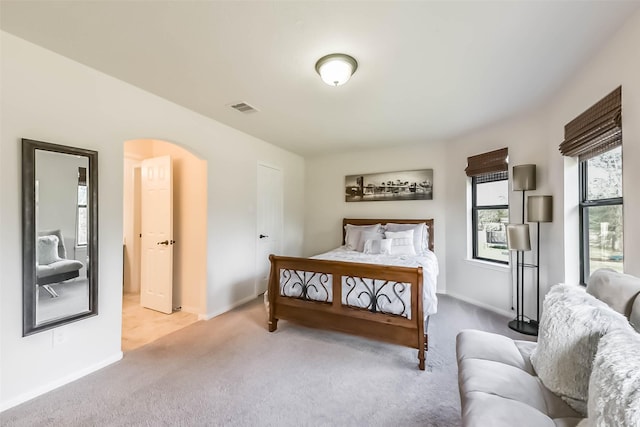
29	148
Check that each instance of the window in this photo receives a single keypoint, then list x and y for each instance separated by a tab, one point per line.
595	136
490	215
601	212
489	205
81	219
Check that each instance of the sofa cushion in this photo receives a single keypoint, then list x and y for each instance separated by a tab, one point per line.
488	410
498	386
513	384
614	388
58	267
498	348
618	290
571	326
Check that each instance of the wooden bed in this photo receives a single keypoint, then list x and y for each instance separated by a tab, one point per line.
333	315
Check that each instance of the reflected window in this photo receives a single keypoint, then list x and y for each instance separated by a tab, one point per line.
490	215
601	212
81	218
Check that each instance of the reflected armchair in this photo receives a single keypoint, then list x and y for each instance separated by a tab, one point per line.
52	265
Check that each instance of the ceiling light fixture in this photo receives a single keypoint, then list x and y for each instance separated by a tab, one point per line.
336	69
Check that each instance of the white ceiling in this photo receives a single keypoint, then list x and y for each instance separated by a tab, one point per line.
428	71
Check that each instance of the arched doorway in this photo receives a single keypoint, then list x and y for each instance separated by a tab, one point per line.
142	325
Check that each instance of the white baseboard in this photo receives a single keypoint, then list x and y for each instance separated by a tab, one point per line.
192	310
58	383
223	310
507	313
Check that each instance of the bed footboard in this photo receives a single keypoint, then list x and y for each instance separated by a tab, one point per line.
317	293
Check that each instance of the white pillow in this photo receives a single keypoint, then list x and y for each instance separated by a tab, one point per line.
377	246
353	232
420	234
401	242
614	387
571	326
368	235
47	251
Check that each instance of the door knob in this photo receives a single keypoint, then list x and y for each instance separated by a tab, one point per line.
262	236
166	242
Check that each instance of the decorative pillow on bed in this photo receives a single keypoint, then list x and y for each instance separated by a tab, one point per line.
368	235
377	246
47	251
614	386
401	242
353	232
571	326
420	234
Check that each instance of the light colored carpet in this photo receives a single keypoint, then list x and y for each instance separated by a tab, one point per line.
230	371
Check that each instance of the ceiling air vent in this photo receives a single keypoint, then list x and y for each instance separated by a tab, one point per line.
243	107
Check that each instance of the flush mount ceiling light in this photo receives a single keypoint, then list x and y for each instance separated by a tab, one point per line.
336	69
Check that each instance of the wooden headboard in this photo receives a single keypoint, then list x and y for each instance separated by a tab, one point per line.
360	221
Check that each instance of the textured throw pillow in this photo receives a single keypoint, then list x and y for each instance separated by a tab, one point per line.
377	246
420	234
401	242
614	387
353	232
368	235
47	250
571	326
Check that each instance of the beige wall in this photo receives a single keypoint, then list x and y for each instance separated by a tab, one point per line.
534	138
482	283
50	98
617	64
326	207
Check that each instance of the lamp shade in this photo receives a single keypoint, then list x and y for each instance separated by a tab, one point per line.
336	69
540	208
524	177
518	237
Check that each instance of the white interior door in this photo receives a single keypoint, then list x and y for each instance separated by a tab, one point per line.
270	220
156	276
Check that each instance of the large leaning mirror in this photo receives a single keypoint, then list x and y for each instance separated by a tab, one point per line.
59	235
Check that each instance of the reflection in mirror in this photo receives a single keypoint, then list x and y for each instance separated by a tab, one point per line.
59	235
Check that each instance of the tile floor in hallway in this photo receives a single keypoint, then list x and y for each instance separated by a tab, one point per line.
141	325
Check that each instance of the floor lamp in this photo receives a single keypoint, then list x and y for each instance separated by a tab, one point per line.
519	242
524	179
539	209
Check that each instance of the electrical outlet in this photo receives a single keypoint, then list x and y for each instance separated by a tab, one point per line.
59	337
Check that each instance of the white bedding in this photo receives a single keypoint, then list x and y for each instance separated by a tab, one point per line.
426	260
391	298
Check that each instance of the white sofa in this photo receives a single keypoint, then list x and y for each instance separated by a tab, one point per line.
500	387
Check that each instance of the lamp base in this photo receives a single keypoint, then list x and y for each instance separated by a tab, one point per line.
524	327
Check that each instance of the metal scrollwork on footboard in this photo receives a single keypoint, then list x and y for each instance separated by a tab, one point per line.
378	296
306	285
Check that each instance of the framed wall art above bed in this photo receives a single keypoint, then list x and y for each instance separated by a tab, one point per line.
404	185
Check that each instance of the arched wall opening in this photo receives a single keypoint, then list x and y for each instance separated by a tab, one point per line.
189	223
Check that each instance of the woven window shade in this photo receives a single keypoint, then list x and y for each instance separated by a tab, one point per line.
595	131
491	162
492	177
